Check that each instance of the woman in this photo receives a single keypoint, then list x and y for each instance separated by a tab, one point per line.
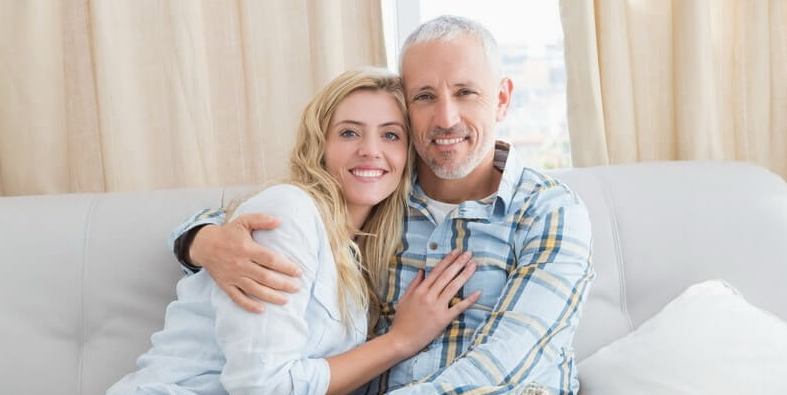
350	173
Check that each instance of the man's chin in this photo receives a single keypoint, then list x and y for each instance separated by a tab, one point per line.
450	172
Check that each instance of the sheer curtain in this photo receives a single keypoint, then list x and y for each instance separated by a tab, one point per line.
672	80
134	95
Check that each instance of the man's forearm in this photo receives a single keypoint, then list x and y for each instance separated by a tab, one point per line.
182	236
183	248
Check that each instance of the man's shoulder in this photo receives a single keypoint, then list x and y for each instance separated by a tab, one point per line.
539	191
532	181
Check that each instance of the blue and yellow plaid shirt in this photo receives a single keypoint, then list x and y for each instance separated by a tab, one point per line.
531	241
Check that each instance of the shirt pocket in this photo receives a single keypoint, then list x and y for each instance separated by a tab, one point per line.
324	318
326	297
337	336
490	278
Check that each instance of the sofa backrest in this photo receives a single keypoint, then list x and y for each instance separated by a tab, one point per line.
86	277
660	227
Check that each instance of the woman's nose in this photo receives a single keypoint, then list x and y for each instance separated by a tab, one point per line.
369	147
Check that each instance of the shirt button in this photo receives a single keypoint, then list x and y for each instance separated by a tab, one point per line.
433	246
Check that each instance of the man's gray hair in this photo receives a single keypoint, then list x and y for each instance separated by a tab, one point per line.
447	28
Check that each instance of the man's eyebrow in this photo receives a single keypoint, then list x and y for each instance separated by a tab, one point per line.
467	84
421	88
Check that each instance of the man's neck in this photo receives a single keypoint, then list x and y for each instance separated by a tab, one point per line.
483	181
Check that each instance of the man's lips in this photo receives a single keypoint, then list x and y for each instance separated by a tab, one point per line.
447	142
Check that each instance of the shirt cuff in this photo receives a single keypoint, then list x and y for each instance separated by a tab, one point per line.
319	377
182	236
181	248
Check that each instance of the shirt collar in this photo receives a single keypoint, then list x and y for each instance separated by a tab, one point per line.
506	160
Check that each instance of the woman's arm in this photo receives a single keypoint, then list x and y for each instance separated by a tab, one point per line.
248	272
266	353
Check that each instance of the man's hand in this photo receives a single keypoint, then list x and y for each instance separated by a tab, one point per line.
240	266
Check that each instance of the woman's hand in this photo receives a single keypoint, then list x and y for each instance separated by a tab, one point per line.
423	312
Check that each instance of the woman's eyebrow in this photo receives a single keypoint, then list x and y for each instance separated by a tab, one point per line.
392	123
351	122
359	123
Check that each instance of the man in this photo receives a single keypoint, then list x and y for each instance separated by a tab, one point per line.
529	234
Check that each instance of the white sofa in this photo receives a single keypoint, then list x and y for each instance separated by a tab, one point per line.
86	277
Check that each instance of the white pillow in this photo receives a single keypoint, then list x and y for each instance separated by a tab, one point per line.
708	340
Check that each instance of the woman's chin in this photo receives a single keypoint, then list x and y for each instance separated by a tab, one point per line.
368	199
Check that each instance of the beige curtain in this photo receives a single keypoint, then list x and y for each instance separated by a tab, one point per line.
667	80
105	95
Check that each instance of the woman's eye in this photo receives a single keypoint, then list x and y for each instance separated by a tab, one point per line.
348	133
391	136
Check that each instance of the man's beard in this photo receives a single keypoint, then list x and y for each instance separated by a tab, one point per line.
449	171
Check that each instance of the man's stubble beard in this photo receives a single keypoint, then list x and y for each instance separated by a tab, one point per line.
462	169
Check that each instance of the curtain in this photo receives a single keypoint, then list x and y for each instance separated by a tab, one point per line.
677	80
107	95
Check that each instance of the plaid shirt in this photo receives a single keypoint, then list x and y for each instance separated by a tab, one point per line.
531	241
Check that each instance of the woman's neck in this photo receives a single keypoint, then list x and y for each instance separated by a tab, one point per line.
358	214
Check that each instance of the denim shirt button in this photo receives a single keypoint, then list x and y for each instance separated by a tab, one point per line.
432	246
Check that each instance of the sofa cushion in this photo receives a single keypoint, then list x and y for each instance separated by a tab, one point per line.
659	227
709	340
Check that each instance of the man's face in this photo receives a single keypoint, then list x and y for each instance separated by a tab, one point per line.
454	101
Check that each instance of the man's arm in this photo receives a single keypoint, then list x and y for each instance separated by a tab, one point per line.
181	237
242	268
528	335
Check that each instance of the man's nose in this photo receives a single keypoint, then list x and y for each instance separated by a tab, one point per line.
447	113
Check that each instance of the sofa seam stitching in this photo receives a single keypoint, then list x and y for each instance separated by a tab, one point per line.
88	223
613	219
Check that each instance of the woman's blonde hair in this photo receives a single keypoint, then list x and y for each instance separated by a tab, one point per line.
362	262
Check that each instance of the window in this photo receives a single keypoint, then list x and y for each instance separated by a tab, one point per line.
530	38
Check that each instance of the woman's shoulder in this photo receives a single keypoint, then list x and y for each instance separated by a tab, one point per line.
281	200
299	219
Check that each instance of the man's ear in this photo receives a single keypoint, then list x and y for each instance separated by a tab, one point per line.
503	98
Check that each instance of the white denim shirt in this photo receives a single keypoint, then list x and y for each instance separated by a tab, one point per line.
209	345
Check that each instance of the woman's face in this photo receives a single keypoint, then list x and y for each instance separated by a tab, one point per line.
366	147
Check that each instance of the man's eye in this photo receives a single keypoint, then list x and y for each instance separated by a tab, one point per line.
465	92
391	136
422	96
348	133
